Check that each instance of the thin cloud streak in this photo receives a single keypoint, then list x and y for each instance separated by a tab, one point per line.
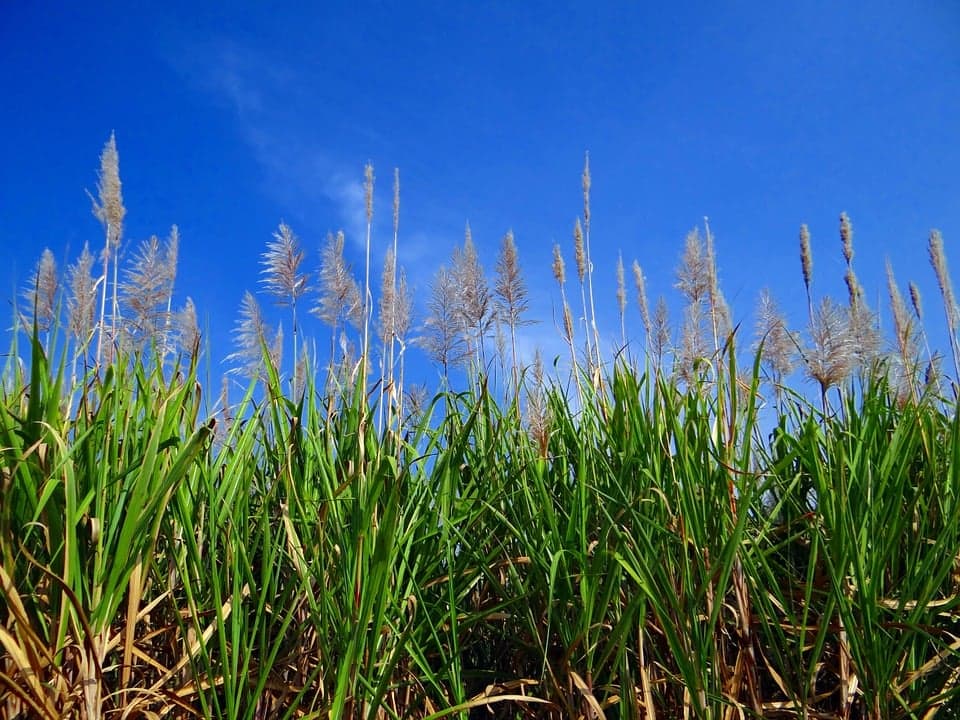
319	194
298	173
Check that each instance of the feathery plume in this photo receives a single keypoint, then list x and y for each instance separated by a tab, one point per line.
538	411
567	323
386	329
396	310
396	202
719	310
660	337
568	335
403	316
581	259
81	303
342	373
171	251
223	429
109	209
904	334
388	300
559	269
865	331
41	291
187	328
368	179
511	295
697	281
250	337
621	298
282	277
81	310
578	252
775	340
862	321
473	294
693	274
938	259
386	325
560	275
144	290
415	400
275	352
641	285
854	289
403	307
692	351
339	293
171	254
443	338
585	182
806	257
932	374
339	301
846	237
500	343
281	267
302	370
510	288
830	355
916	301
806	264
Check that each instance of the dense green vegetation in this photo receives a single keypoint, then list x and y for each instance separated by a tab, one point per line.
641	539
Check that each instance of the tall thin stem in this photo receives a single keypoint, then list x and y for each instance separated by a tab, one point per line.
103	297
586	237
367	295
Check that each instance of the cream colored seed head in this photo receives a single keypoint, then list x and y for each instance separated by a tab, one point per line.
559	269
846	237
915	300
110	210
578	250
806	257
621	286
396	200
567	322
368	189
586	189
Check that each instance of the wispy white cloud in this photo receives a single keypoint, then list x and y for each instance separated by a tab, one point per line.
348	195
242	77
318	192
229	77
548	340
265	95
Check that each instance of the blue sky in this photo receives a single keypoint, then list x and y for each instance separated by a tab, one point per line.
229	119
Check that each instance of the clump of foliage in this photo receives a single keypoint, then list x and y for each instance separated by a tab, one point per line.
638	540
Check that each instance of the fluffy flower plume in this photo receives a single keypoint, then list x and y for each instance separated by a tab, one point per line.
251	336
777	342
82	301
339	292
281	267
41	291
108	208
640	284
830	356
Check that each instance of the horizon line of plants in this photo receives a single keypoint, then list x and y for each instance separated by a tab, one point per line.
631	541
